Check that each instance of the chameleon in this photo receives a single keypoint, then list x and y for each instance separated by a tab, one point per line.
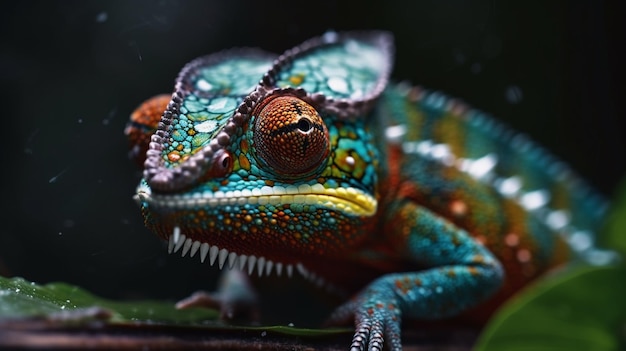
408	202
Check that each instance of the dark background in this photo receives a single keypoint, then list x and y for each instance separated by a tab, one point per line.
72	72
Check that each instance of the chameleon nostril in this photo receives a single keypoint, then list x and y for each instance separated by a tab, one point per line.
225	162
221	164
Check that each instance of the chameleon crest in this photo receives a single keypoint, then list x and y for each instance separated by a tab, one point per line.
419	206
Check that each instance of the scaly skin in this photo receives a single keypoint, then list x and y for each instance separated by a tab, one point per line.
431	209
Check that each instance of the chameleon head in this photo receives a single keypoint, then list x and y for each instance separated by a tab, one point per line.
290	186
261	158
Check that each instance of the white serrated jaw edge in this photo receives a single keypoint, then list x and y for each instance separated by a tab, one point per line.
246	263
224	258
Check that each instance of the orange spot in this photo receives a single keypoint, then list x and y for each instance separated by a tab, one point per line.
173	156
524	256
481	239
244	146
244	162
458	208
511	239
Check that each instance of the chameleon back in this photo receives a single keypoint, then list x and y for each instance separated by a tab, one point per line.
531	210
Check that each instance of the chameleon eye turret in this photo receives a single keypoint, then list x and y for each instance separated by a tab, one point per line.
289	136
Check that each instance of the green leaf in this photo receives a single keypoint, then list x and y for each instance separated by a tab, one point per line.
20	298
584	309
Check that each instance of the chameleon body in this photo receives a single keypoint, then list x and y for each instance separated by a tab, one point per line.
312	162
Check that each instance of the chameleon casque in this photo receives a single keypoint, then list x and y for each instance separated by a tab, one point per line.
312	162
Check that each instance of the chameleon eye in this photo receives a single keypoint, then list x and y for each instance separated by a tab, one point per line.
290	136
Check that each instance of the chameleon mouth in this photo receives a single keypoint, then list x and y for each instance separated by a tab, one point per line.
247	263
349	201
225	258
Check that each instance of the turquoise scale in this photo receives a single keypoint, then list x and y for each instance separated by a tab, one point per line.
217	92
347	70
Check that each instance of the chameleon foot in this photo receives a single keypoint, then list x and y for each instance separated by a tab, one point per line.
377	318
235	299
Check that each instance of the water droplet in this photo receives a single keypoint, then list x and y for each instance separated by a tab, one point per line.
102	17
581	240
513	94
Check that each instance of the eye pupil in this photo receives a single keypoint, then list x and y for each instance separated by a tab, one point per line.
304	125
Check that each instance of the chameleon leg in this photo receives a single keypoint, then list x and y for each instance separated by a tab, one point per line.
235	298
463	273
